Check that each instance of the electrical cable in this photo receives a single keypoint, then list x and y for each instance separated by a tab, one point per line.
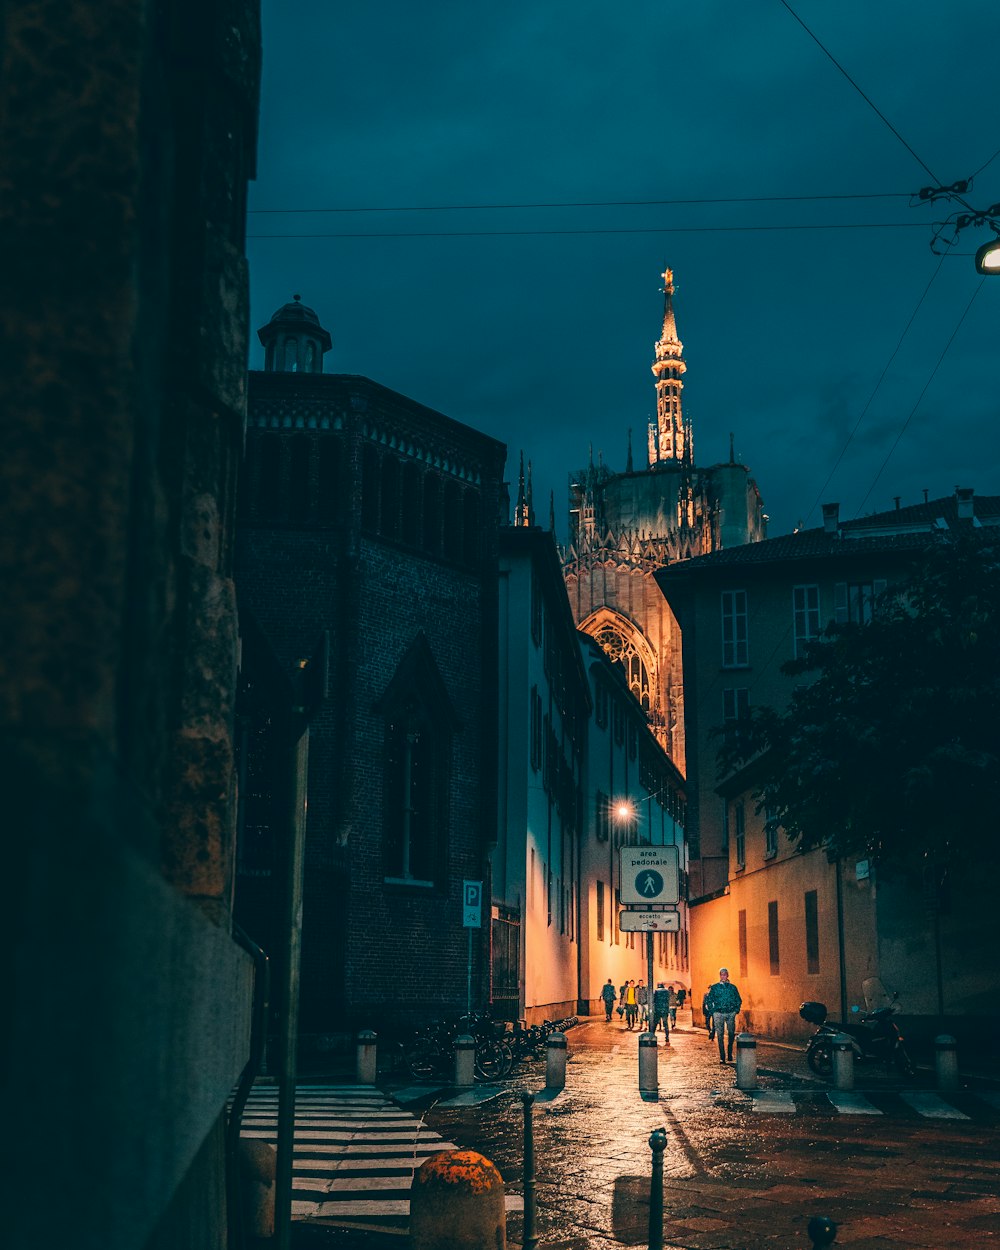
484	234
920	397
871	397
450	208
864	97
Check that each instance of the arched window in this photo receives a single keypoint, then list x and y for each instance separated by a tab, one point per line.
622	649
310	365
291	355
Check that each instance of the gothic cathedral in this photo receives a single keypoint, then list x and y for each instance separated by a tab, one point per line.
625	526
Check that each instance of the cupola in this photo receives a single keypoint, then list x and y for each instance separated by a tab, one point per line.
294	341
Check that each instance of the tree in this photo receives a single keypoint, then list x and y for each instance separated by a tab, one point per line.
892	751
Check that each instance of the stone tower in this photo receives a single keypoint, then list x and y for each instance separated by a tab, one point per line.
625	526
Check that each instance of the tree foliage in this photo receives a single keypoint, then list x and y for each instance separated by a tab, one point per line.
890	749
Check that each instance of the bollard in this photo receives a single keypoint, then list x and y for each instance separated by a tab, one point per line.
648	1082
843	1062
946	1061
366	1062
822	1231
746	1061
555	1061
457	1203
529	1239
465	1060
258	1164
657	1144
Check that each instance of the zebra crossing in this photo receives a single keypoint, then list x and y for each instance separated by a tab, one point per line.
354	1155
982	1106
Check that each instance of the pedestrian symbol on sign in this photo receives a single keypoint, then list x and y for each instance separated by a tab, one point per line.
649	883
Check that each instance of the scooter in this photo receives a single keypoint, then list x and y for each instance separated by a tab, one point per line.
874	1038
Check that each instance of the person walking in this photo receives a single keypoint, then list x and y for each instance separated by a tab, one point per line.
706	1011
661	1007
672	1005
642	1000
609	998
725	1002
681	995
631	1006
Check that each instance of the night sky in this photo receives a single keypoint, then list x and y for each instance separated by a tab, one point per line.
536	324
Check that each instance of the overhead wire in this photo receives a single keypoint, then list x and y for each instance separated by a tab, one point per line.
875	390
484	234
938	363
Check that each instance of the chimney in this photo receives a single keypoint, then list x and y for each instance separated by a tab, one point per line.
831	518
963	500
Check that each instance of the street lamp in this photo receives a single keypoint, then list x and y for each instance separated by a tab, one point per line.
988	258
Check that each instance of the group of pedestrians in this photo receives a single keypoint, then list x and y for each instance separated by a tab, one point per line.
720	1006
635	1004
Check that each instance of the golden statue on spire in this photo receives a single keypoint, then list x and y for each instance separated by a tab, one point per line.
668	281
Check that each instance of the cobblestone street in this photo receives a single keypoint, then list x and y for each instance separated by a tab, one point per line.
893	1167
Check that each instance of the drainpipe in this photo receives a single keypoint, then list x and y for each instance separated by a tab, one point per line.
841	950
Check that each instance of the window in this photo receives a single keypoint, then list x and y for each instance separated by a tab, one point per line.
770	833
600	911
854	602
812	932
805	615
621	647
740	834
742	936
772	937
413	766
735	647
735	712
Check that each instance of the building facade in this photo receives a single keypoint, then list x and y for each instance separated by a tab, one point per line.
368	532
796	926
626	526
124	310
581	776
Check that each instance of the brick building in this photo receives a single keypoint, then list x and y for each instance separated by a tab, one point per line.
368	532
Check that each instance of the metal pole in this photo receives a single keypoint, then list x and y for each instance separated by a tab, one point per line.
468	979
657	1144
529	1239
298	779
649	982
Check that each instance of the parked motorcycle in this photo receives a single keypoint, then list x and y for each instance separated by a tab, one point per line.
875	1038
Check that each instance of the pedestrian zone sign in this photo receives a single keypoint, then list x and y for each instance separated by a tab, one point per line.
649	874
472	904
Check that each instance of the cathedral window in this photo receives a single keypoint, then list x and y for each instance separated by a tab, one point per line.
622	650
735	641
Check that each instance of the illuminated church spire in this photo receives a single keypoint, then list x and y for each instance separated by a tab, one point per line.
524	509
669	437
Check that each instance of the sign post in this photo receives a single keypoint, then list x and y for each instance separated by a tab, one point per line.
472	918
650	877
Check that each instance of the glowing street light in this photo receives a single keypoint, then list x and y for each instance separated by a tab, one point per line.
988	258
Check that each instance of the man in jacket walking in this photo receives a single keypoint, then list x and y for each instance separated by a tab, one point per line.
724	1001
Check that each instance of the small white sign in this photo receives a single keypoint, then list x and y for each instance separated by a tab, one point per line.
649	921
472	904
649	874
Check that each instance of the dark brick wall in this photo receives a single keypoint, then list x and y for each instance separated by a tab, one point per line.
374	953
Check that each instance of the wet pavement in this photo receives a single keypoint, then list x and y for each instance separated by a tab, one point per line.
893	1165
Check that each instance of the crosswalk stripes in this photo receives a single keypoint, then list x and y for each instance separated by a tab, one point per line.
983	1105
850	1103
931	1105
354	1153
